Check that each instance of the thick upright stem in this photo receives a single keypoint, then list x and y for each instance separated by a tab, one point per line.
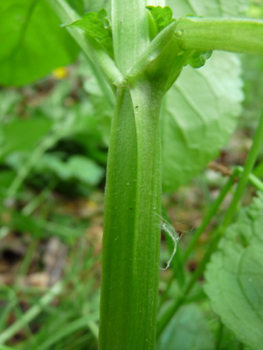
132	223
130	32
131	241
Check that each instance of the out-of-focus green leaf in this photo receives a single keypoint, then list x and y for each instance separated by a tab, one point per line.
52	163
97	26
77	167
32	43
159	18
22	223
23	134
188	330
85	170
40	227
234	277
253	88
258	171
6	178
8	100
198	117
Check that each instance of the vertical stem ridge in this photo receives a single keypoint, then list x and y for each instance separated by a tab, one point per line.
130	31
130	263
147	221
116	296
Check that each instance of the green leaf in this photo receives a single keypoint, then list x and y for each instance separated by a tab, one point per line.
52	163
32	43
23	223
198	117
85	170
198	58
201	108
159	18
187	330
23	134
234	277
229	341
6	178
8	102
97	26
77	167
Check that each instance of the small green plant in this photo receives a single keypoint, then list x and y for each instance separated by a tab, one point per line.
141	52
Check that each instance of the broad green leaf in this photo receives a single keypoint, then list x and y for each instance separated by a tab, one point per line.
199	114
201	109
208	8
159	18
229	340
97	26
187	330
234	277
32	43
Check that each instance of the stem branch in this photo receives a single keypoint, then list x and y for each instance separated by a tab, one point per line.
207	34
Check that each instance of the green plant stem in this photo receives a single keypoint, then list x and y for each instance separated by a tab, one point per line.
36	201
130	263
24	267
99	60
210	214
219	335
31	313
166	38
248	168
229	34
165	319
249	164
156	3
253	179
215	206
12	301
129	32
84	322
131	240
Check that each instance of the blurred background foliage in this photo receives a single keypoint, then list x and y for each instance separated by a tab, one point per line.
54	138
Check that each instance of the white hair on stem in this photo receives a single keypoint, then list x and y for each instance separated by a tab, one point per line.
170	230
